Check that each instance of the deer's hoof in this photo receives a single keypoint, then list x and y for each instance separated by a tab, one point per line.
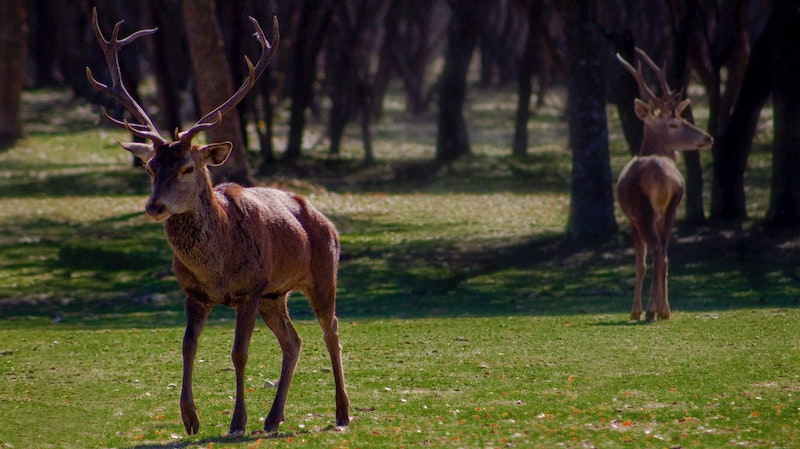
236	433
271	428
190	423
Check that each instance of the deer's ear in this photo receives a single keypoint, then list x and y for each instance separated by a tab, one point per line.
215	153
142	151
642	109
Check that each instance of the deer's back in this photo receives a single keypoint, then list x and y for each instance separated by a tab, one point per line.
656	178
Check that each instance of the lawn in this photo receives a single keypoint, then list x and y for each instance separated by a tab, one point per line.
466	318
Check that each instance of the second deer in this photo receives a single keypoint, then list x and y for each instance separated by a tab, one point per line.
244	248
650	186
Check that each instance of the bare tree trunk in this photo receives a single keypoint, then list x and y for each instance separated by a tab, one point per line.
784	204
163	14
315	17
591	212
214	85
410	39
524	88
13	54
623	90
733	146
462	36
684	13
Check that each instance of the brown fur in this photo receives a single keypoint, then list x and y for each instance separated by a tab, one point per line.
245	248
650	186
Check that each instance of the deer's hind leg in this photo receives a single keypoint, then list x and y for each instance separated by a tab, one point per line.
323	302
650	222
275	315
640	268
664	236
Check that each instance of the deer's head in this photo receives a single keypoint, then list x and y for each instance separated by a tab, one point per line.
178	173
177	169
666	131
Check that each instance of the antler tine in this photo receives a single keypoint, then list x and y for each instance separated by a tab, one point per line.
214	118
637	74
667	95
145	129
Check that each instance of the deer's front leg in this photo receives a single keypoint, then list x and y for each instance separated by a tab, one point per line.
245	322
196	318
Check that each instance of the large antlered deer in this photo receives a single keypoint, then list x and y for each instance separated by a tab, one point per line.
650	186
245	248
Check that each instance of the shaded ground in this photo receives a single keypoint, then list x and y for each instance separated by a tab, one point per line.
115	267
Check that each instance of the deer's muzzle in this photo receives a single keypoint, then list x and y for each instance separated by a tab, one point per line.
156	210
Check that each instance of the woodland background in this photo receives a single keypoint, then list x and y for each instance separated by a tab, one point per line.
337	59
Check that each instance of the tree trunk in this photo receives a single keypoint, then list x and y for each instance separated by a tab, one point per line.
13	56
163	14
733	146
312	25
462	36
684	13
784	205
214	85
524	88
408	47
591	213
623	90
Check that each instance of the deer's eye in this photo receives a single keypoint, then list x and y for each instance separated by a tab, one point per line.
673	125
189	169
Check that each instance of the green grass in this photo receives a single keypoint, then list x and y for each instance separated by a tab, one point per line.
466	319
702	380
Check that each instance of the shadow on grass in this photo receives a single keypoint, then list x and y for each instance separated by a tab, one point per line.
88	181
122	282
221	440
539	172
548	275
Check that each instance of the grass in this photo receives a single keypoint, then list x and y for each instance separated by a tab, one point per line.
466	319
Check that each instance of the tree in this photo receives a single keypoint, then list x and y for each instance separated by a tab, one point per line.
591	212
312	26
350	44
462	36
772	68
214	85
684	13
412	36
171	65
784	203
533	41
13	54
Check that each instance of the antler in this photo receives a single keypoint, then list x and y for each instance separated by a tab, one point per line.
214	118
668	99
145	128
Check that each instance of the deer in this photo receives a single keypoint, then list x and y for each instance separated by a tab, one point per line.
650	186
245	248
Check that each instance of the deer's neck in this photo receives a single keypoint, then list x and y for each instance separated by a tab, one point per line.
193	234
654	145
